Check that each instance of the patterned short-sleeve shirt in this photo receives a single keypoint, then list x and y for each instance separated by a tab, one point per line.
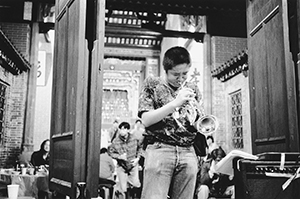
176	128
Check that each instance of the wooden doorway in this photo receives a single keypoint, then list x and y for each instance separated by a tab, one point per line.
76	112
274	122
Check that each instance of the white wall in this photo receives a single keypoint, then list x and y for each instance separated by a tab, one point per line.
43	97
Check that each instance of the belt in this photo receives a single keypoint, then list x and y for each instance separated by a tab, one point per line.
151	140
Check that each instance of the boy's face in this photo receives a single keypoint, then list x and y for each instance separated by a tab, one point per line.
219	155
139	124
124	131
177	75
218	158
209	141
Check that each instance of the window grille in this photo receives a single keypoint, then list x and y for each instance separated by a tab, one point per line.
237	120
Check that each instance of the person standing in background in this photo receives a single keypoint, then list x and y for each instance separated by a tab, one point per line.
170	108
113	131
138	131
126	150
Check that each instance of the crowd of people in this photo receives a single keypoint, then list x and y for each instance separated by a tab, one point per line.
165	155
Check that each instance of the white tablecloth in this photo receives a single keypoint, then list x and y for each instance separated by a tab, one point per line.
29	185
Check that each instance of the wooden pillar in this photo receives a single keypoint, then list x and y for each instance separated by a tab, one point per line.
298	65
207	92
94	103
298	20
31	83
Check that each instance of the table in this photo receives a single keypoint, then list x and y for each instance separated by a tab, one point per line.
29	185
24	197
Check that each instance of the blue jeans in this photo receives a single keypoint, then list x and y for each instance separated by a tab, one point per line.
169	170
124	178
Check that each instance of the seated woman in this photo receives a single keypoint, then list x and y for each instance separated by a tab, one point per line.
41	157
213	183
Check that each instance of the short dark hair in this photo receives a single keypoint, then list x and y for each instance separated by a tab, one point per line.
218	152
175	56
103	150
210	137
138	121
126	125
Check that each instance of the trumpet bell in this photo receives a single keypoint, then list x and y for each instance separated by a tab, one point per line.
208	124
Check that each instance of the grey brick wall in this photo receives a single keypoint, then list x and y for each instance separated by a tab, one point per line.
222	50
15	96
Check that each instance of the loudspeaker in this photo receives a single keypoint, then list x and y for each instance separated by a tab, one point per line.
252	182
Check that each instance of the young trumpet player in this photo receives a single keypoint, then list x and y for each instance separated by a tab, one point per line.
169	108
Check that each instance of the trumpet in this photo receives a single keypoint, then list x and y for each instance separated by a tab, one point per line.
207	124
189	110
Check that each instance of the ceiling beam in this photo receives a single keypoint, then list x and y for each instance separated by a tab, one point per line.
186	7
22	1
140	32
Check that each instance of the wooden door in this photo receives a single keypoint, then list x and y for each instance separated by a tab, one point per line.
76	97
274	123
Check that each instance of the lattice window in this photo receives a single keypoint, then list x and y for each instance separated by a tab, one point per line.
115	105
2	109
237	120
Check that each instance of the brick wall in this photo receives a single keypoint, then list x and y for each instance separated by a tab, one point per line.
222	50
19	35
15	97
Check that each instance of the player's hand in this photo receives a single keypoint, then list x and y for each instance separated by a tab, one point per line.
123	156
184	95
135	161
